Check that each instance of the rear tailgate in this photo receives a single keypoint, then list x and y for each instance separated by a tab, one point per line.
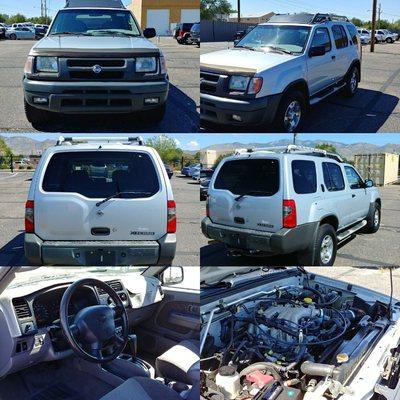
247	193
73	183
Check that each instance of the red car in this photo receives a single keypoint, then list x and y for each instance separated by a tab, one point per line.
182	32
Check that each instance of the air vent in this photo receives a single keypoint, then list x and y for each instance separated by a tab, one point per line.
21	308
115	285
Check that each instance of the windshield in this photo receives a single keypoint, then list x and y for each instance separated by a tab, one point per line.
284	37
95	23
32	277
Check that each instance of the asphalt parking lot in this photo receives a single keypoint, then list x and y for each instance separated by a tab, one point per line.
13	194
182	106
375	108
379	249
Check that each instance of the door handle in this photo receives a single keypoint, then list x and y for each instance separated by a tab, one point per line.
333	57
353	195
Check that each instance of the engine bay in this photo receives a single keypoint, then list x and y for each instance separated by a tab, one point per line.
288	342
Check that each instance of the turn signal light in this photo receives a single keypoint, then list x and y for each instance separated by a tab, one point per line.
171	216
29	217
289	214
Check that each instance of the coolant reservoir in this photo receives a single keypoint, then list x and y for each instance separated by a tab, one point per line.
228	381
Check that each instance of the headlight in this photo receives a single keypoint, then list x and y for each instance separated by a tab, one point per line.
146	64
46	64
163	63
239	83
28	69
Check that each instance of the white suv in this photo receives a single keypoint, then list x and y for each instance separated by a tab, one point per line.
100	202
289	200
279	69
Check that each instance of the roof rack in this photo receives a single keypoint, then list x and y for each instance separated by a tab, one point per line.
138	140
292	148
306	18
94	3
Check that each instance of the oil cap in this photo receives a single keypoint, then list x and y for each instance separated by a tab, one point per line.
308	300
342	358
227	370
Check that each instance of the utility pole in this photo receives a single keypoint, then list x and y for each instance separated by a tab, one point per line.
238	10
43	8
373	30
294	138
379	15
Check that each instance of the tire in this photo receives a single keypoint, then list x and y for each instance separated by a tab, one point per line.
13	36
296	101
373	220
155	115
37	116
313	256
352	80
389	40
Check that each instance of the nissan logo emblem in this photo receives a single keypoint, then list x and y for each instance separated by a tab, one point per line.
96	69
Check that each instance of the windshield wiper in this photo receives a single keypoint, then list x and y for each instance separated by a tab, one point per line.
69	33
251	192
112	32
276	48
240	46
118	194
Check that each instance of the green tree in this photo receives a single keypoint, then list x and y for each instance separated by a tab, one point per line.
211	9
166	148
17	18
4	18
326	146
220	158
357	22
40	20
5	154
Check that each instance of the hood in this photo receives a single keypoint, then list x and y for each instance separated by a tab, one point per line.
61	45
242	60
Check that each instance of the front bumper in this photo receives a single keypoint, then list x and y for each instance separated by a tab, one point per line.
92	253
219	110
284	241
95	97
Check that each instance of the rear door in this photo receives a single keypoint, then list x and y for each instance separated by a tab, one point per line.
343	52
247	193
177	316
74	183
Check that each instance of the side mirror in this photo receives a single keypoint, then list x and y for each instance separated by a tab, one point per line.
149	33
172	276
317	51
236	41
369	183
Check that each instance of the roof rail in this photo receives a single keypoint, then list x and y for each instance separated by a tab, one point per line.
292	148
138	140
318	18
94	3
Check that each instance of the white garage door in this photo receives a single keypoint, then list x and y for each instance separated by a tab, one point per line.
158	19
190	15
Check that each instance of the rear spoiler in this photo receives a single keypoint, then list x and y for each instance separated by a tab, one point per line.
138	140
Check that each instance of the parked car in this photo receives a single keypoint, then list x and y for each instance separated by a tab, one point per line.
270	78
185	170
100	203
202	173
169	170
242	33
379	37
391	37
95	60
2	31
204	185
182	32
112	311
195	34
260	328
40	31
193	168
365	36
289	200
20	33
195	172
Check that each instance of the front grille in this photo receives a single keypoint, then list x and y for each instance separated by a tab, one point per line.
91	62
106	69
99	76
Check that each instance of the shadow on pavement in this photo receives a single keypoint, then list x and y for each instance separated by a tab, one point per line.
12	253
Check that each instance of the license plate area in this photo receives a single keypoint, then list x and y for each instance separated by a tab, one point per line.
100	257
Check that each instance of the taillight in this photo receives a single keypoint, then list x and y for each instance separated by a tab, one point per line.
29	217
289	214
171	216
208	207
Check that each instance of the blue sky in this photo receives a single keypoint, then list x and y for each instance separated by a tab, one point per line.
350	8
198	141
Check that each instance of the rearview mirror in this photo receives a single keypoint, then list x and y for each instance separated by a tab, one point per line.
172	276
317	51
369	183
149	33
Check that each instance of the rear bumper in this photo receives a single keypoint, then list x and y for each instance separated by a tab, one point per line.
219	110
160	252
285	241
95	97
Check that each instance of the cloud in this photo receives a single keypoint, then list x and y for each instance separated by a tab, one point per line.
193	144
177	142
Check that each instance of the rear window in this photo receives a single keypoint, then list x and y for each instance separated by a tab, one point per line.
254	177
333	177
304	176
340	37
353	33
102	174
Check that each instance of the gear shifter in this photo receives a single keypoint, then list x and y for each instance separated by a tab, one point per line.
132	344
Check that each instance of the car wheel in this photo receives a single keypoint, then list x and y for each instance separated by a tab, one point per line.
389	40
13	36
325	246
291	112
373	220
155	115
37	116
352	80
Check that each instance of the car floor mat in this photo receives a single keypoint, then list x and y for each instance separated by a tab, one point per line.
59	391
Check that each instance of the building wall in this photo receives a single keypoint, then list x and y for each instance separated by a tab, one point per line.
253	19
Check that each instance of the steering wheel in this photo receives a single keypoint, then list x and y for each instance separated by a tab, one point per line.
94	328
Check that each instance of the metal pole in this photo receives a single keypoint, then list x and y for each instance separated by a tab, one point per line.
373	30
379	15
238	7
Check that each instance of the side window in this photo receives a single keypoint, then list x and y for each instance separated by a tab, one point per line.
353	33
304	176
322	38
333	177
355	180
340	37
